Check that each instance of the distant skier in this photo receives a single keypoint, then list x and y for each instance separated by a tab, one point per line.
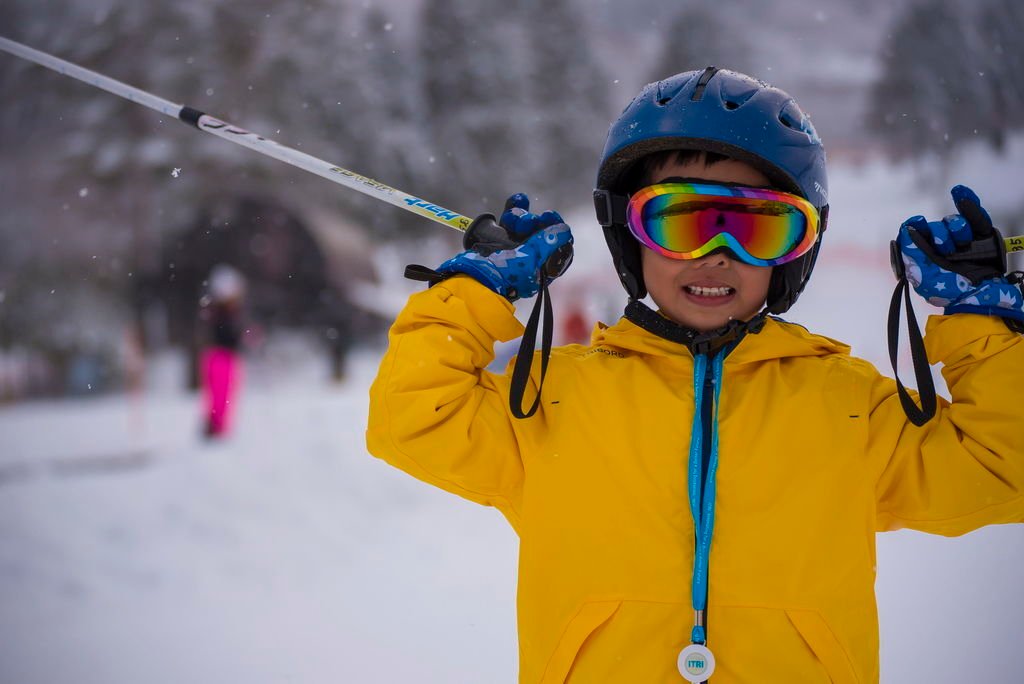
221	362
700	487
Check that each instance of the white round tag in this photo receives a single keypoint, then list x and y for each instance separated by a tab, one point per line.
696	663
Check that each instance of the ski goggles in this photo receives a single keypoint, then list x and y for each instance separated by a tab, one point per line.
688	220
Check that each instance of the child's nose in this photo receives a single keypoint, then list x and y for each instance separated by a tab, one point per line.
721	257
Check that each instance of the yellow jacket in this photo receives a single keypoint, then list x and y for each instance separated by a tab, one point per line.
815	456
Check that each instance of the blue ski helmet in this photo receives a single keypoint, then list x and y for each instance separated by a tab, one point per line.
720	111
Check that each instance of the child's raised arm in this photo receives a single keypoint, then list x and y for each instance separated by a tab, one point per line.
965	467
435	411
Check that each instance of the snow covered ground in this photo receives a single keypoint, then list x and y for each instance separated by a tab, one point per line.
132	551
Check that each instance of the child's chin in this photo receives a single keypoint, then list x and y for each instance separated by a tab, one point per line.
700	323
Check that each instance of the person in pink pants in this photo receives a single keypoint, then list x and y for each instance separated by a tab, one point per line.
221	361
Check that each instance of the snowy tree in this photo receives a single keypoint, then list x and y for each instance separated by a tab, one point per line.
517	108
942	82
698	37
395	150
1000	27
471	94
242	61
568	99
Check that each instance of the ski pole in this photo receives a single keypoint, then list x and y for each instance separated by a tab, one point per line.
240	136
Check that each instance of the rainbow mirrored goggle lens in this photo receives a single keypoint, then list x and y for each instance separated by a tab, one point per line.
689	220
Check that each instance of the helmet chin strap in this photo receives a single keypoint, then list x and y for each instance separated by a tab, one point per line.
697	342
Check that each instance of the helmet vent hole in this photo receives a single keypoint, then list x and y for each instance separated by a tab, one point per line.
731	105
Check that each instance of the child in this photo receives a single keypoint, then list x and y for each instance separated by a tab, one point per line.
699	489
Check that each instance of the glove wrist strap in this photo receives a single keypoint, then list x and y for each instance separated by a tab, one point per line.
524	360
922	368
424	274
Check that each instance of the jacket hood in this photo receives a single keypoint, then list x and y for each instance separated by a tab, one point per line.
777	340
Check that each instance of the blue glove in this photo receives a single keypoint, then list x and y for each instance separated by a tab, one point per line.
515	255
959	263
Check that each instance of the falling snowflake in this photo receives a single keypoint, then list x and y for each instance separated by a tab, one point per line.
82	192
176	172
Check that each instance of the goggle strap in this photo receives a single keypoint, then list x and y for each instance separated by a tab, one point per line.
610	208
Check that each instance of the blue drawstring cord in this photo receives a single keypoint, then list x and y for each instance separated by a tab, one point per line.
703	512
696	437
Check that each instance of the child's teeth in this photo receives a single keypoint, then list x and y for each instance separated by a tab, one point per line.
709	291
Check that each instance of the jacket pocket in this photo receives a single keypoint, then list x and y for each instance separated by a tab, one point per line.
589	618
823	643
